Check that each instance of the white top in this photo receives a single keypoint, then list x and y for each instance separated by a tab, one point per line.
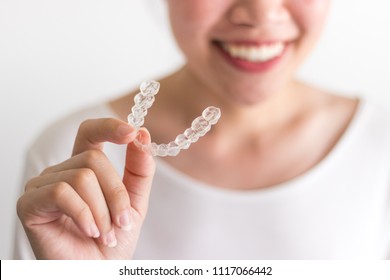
340	209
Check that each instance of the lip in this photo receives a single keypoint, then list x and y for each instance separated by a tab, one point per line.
249	66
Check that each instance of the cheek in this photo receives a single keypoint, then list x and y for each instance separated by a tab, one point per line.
192	21
194	15
310	15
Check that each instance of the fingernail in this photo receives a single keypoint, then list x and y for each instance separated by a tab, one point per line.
110	239
94	231
124	130
125	220
142	136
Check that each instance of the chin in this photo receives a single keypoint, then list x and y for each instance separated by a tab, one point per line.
249	100
249	95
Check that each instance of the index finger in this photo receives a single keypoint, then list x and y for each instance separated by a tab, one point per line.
93	133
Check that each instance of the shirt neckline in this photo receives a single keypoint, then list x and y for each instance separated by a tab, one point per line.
301	181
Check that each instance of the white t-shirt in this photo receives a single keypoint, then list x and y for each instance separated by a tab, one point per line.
340	209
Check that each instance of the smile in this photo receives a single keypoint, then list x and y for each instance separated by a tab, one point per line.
254	53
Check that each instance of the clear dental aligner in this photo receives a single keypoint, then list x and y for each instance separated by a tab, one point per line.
199	127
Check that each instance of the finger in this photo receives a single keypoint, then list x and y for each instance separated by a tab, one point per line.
50	202
94	132
115	194
86	185
139	172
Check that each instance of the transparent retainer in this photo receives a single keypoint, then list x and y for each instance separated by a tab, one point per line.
199	127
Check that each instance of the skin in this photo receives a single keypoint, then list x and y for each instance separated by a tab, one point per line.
274	126
80	208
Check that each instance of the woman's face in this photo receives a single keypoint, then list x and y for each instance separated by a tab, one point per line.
246	49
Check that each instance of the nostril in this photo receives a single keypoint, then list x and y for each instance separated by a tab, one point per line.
258	13
240	16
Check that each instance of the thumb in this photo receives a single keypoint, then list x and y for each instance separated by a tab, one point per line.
139	172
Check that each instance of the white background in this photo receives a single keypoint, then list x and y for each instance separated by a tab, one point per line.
57	56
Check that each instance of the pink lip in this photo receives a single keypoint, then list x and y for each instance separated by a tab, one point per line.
248	66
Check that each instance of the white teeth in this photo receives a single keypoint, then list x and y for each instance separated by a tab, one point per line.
254	53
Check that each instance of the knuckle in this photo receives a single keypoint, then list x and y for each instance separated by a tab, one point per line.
83	176
47	170
93	157
84	124
30	184
59	191
118	195
84	213
20	204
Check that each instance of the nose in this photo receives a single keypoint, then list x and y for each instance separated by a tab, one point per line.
253	13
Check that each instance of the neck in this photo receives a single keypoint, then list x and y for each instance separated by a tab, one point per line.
184	89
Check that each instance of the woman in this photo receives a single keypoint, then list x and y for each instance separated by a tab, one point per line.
290	171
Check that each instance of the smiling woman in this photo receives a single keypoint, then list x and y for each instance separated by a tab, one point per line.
221	38
291	171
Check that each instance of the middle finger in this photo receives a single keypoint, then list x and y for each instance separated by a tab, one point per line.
114	190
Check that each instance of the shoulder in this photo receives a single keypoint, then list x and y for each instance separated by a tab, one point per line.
358	114
55	143
368	133
360	124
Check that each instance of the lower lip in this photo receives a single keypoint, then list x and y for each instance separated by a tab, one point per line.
248	66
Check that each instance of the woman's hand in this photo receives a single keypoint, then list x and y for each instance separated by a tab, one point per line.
81	208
